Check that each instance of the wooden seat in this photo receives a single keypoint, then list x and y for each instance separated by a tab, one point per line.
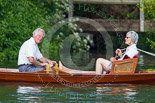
126	66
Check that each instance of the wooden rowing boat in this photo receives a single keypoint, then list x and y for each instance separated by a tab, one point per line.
122	72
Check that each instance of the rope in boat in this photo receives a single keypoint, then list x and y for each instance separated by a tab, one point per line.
152	54
123	44
147	52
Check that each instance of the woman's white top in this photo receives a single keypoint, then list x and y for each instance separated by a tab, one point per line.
131	51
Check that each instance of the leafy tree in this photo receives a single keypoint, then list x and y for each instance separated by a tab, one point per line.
149	12
18	18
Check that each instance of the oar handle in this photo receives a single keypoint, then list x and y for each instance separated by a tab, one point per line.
57	69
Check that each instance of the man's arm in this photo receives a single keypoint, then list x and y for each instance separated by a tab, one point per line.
35	62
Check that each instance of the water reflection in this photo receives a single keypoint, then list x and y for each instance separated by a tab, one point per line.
78	61
118	91
23	89
145	61
22	92
115	91
26	93
141	60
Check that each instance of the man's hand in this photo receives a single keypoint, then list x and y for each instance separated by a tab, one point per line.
52	62
45	60
43	64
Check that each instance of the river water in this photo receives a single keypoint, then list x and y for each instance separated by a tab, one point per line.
11	92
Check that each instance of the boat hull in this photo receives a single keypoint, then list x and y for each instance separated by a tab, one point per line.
77	79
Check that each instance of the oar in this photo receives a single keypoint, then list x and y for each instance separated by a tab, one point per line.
56	69
48	68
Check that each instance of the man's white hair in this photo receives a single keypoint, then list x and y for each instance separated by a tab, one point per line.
134	36
35	32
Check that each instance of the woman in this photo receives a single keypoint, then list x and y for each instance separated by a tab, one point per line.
131	39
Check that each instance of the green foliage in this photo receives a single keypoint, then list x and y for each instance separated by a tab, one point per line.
149	11
151	39
143	42
18	18
150	70
81	44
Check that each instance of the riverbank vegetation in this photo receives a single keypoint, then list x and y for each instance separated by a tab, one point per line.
18	19
149	8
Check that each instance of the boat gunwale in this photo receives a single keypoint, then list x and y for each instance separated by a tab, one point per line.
76	74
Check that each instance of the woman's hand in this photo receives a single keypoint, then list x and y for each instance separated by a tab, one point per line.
118	52
112	59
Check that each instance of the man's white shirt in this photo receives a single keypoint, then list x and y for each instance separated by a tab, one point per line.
28	49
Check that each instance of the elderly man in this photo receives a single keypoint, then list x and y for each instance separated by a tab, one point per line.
29	54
